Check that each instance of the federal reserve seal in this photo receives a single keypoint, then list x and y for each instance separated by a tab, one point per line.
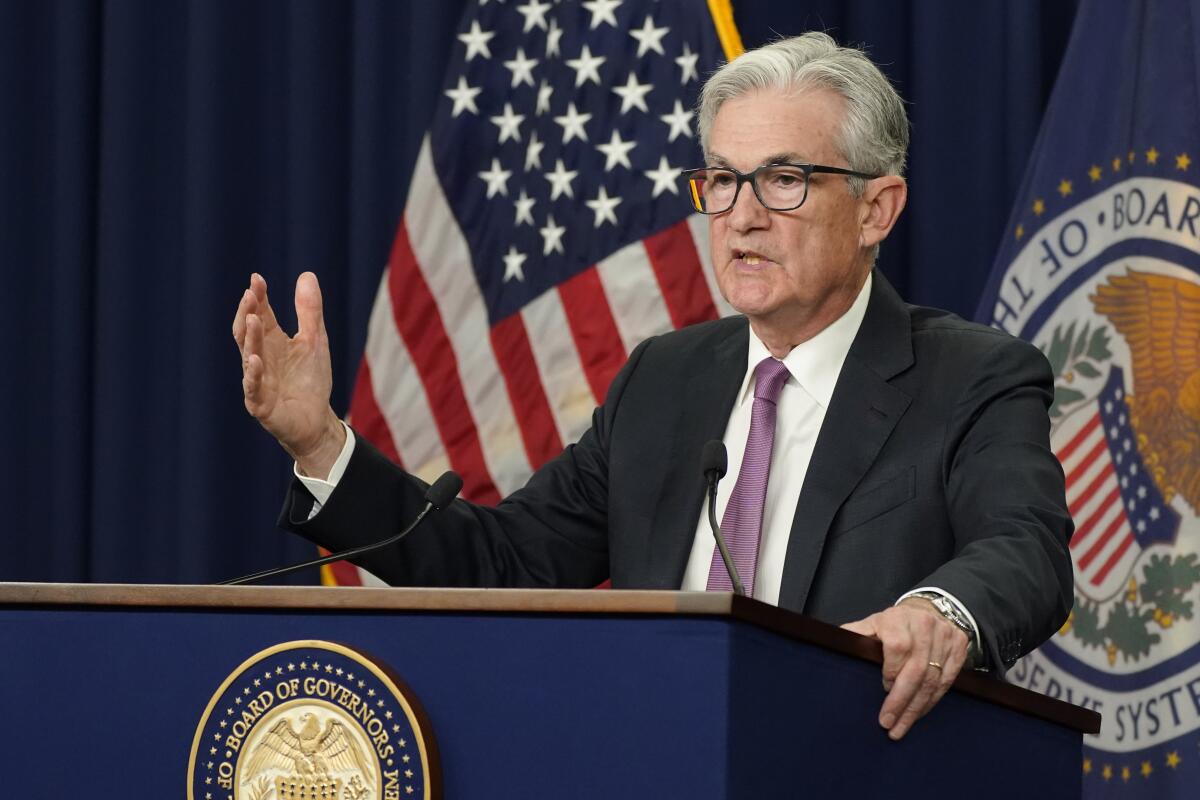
312	720
1109	288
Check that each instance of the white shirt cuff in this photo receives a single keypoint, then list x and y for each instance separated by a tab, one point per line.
954	601
320	489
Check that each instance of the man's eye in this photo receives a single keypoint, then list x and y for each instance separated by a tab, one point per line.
721	179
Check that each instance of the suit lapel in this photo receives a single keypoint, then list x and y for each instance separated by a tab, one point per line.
862	413
711	388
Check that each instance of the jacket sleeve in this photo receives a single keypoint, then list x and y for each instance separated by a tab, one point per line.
1006	499
551	532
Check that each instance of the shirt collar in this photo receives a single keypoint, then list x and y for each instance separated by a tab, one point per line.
815	364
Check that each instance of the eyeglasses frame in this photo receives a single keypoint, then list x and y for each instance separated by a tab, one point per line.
751	177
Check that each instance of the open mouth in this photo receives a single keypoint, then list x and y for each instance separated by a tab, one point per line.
749	257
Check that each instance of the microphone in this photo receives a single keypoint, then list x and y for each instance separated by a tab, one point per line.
437	497
715	462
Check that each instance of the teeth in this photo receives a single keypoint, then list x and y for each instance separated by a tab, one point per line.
751	260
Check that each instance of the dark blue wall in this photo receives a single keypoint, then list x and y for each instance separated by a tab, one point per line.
152	154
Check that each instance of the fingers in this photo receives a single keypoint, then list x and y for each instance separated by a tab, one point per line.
253	343
252	375
247	305
253	367
254	301
863	627
930	685
949	672
258	286
911	692
309	307
913	641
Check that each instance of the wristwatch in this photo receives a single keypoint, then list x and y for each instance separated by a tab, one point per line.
955	615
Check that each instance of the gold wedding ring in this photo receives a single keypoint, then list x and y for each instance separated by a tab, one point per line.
935	665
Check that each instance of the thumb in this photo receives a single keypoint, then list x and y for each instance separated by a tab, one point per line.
309	306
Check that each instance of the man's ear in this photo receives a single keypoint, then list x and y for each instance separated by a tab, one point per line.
882	203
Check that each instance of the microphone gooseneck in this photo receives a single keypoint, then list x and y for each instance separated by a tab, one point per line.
437	496
715	462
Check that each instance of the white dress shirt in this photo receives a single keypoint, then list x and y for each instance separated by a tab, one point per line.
814	367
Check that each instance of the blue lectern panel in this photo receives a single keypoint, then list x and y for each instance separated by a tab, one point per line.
104	704
806	717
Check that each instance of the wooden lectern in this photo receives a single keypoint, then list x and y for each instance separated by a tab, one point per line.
530	694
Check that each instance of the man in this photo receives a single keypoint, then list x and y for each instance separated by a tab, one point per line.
892	463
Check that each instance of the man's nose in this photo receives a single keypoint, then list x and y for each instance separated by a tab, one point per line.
747	212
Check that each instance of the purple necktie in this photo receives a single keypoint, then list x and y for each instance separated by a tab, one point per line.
742	524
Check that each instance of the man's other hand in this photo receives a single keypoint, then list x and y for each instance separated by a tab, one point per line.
923	653
287	381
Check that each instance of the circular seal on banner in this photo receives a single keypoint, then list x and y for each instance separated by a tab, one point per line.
312	720
1109	289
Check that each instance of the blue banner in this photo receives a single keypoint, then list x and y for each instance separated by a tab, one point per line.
1100	267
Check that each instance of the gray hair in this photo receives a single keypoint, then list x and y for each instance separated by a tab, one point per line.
874	135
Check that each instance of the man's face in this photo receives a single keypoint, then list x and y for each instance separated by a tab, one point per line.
799	270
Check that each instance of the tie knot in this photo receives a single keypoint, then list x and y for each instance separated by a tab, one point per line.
769	377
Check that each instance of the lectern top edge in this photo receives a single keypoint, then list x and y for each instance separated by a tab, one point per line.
526	601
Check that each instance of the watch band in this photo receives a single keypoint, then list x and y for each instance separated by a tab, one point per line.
956	617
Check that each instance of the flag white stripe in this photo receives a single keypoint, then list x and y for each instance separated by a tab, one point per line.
1115	577
1064	437
445	260
1083	451
1106	487
366	578
400	395
559	365
633	295
1106	516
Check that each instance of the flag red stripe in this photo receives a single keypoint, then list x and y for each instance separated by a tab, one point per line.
594	329
1084	465
366	417
1083	530
1093	487
1099	577
1079	438
680	276
1095	549
510	343
424	334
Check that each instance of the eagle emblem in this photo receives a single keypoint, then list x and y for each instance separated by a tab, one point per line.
1159	318
1130	450
310	755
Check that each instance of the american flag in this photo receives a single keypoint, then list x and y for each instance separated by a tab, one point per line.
1117	508
546	233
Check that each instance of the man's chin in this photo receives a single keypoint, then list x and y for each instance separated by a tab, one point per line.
751	304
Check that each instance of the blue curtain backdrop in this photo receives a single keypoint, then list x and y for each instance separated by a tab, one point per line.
153	154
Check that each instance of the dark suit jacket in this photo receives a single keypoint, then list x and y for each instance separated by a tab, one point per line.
932	467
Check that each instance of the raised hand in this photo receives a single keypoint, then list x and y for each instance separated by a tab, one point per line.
286	381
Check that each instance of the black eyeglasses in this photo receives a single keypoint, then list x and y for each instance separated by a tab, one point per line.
779	187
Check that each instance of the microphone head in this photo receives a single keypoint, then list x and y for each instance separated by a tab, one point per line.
443	490
713	458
